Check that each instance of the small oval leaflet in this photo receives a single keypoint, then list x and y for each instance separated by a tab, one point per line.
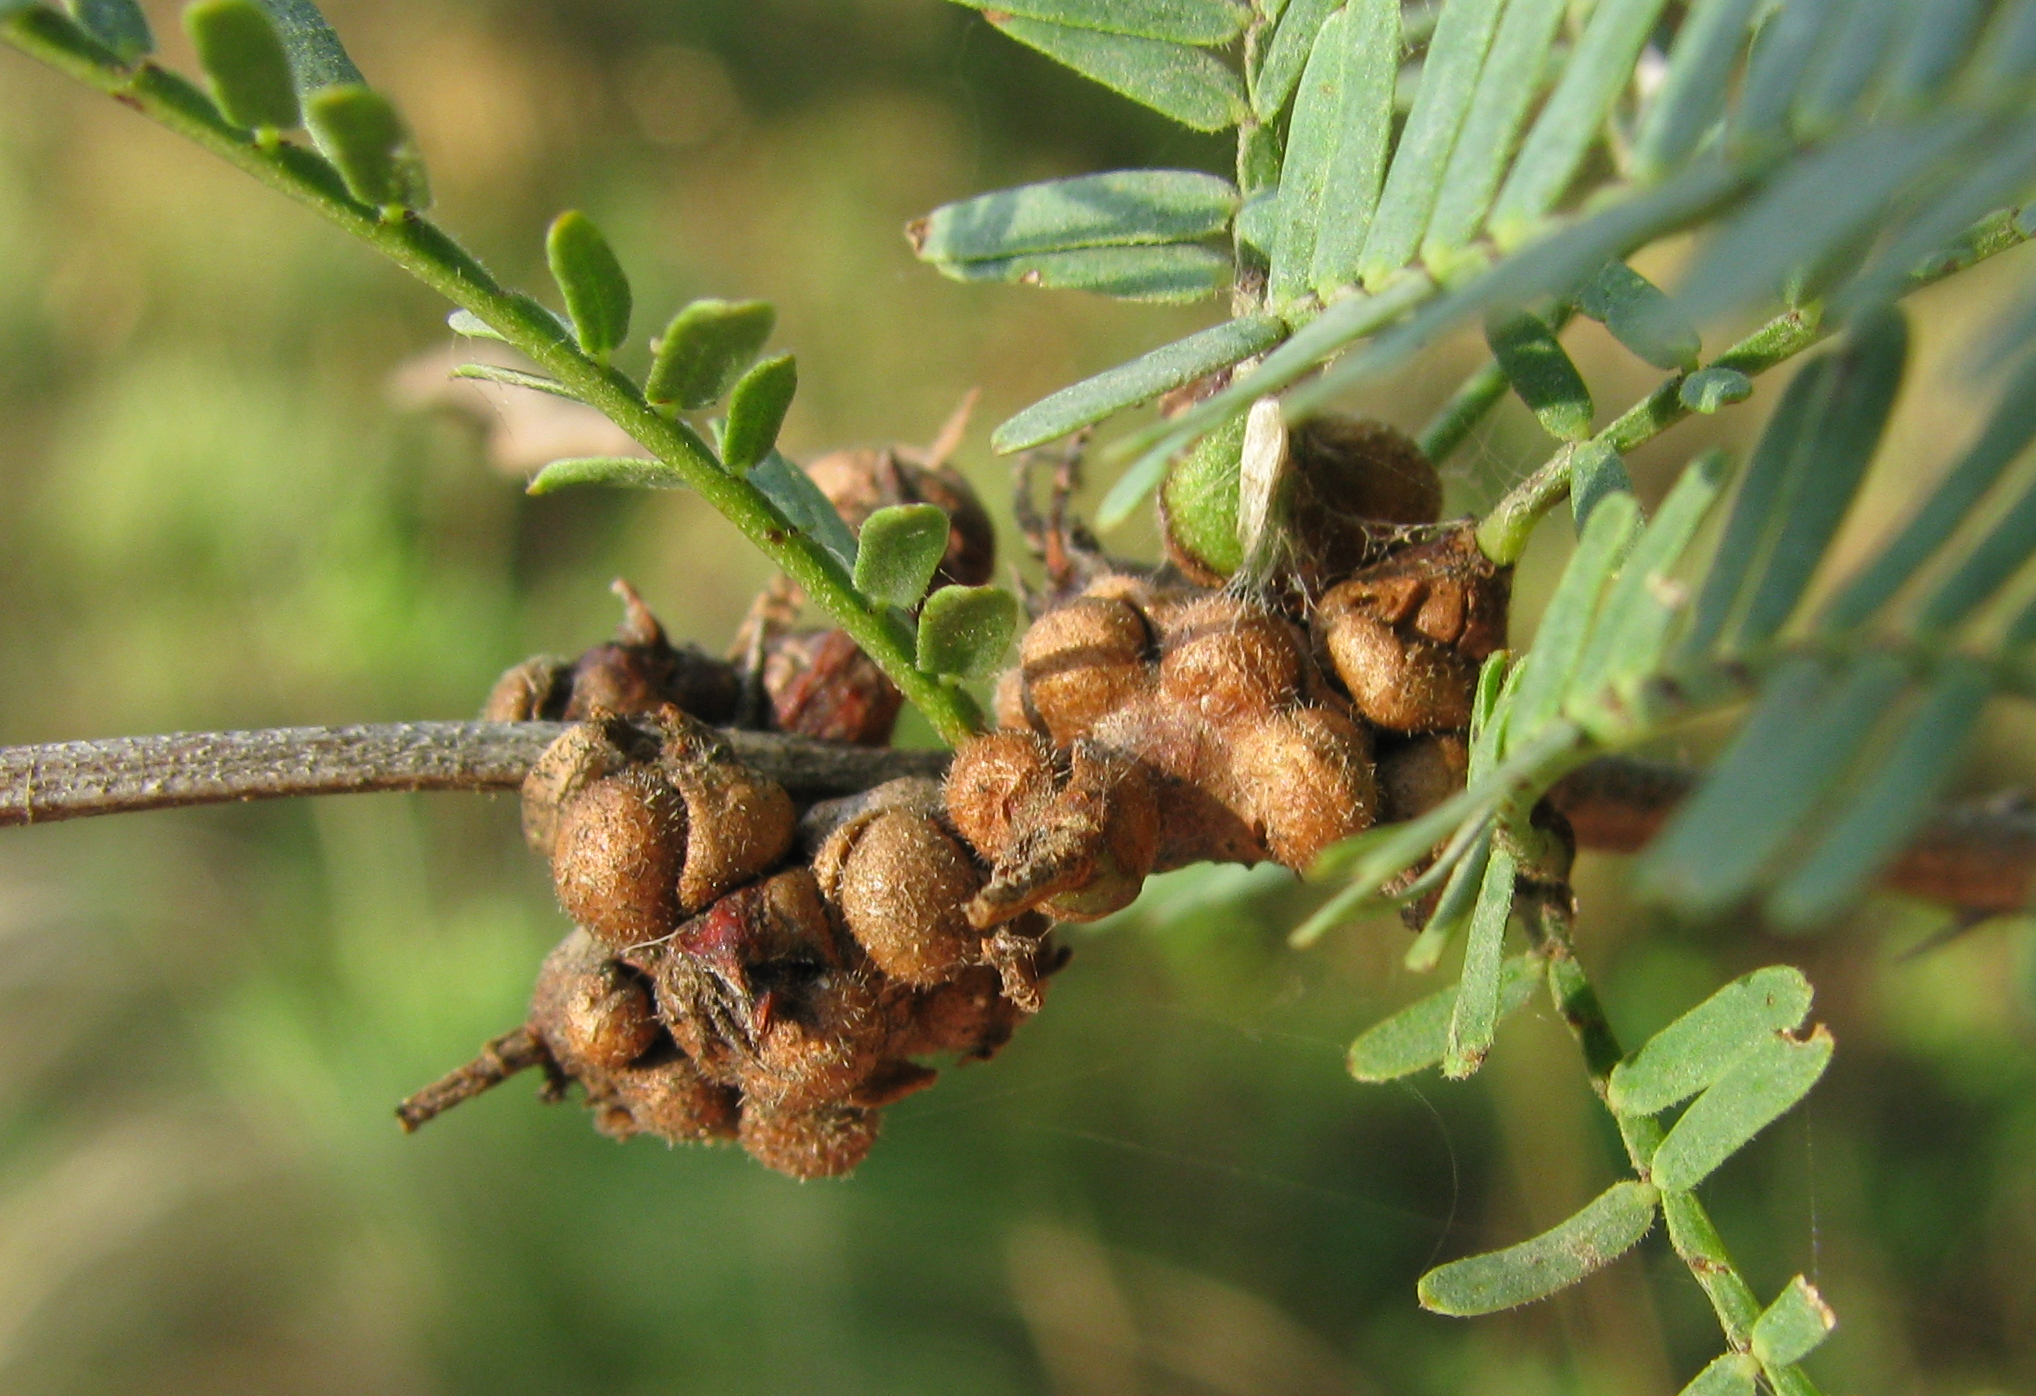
627	472
1793	1325
792	490
1162	370
964	631
1696	1049
1118	208
898	552
1540	371
366	137
1166	272
244	62
515	378
756	411
1179	21
1416	1037
1712	389
118	24
1173	79
316	55
1732	1374
706	348
590	277
1761	1087
1640	316
1476	1015
1553	1261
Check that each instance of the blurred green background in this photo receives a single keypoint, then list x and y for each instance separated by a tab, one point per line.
228	502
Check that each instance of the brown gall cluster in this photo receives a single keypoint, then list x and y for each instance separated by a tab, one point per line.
740	971
742	968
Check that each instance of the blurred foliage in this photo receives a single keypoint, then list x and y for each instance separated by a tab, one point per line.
218	515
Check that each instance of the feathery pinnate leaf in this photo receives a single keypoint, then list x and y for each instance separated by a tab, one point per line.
1610	1226
590	277
756	411
707	347
244	63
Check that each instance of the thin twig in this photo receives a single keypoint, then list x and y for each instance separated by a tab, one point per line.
1979	857
69	780
500	1059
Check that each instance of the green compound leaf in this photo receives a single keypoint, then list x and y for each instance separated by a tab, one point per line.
1293	40
244	63
804	506
1176	272
1698	1048
1541	372
756	411
1641	316
1177	21
366	137
1417	1036
1173	79
706	348
1553	1261
964	631
1793	1325
1161	371
316	55
590	277
1733	1374
1759	1089
1116	209
624	472
899	551
1711	390
118	24
1476	1017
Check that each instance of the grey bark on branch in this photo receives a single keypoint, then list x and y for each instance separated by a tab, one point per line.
1979	858
70	780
